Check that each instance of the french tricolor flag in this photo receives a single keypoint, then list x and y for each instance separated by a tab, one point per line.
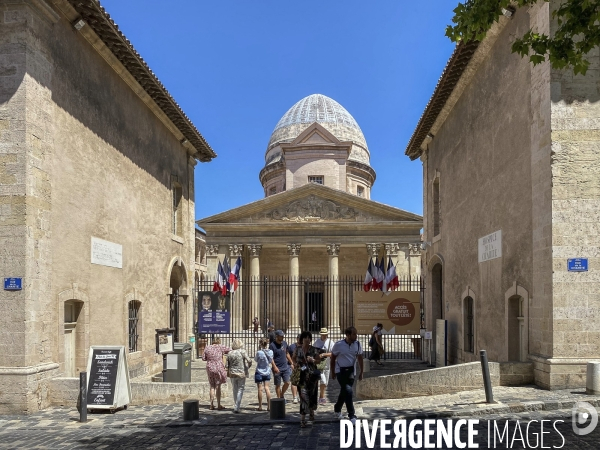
234	276
368	277
391	277
219	281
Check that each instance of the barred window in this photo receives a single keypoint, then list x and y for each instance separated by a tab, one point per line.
360	191
134	324
468	321
315	179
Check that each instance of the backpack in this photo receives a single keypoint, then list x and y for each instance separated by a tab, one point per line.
372	341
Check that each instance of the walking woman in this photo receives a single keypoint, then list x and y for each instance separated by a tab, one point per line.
262	375
238	364
217	375
375	344
307	357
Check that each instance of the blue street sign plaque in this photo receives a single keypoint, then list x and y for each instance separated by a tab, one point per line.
577	265
13	284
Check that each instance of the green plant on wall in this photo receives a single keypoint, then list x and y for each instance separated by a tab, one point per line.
577	32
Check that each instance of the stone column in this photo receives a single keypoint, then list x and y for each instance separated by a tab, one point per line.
236	250
334	295
212	260
414	259
294	319
254	250
373	250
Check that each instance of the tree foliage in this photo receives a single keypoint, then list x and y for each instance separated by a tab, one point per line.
577	32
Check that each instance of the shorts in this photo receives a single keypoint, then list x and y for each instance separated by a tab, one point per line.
324	377
285	374
258	378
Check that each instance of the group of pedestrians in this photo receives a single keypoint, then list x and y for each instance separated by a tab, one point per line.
305	365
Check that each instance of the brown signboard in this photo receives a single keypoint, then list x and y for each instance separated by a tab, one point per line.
399	312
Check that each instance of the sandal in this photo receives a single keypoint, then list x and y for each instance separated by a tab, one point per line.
220	407
303	424
258	409
311	418
212	407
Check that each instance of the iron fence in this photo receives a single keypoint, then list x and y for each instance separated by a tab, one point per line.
272	299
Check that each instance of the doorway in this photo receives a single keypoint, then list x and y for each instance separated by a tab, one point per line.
515	328
72	310
313	306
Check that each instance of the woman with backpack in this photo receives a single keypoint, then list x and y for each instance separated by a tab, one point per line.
262	375
375	344
307	357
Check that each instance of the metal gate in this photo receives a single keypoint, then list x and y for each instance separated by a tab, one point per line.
271	299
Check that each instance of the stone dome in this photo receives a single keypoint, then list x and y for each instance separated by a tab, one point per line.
328	113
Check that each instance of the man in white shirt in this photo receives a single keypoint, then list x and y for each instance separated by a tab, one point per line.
344	355
325	344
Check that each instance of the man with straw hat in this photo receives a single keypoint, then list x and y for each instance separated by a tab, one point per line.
324	343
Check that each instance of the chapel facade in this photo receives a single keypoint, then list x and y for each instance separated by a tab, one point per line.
317	219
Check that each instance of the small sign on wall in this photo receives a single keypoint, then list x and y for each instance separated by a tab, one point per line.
490	246
13	284
577	265
107	253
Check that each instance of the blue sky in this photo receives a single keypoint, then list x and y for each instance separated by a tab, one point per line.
236	67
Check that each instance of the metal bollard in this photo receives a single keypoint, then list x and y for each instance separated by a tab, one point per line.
190	410
83	397
487	382
277	409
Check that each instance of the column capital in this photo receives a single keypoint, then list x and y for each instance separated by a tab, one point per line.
212	250
414	250
392	249
333	249
235	250
254	249
294	249
373	250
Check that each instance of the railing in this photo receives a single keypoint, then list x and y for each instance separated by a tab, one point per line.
271	299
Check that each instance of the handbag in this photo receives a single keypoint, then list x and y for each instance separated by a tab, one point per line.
295	376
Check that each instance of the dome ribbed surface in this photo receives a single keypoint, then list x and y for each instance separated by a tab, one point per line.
323	110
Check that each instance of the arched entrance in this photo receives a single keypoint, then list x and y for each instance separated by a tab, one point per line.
517	339
178	287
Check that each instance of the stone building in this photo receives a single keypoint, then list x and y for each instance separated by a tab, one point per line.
97	198
317	218
511	166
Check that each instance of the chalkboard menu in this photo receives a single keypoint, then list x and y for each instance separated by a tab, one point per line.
103	377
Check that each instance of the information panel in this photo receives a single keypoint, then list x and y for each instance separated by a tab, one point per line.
399	312
214	313
103	377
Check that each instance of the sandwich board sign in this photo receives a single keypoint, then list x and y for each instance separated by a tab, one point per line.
108	378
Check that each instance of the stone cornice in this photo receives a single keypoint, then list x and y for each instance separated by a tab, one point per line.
362	168
100	27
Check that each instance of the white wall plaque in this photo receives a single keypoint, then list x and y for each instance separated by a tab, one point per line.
490	246
107	253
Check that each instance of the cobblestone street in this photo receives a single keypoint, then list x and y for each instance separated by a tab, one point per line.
162	426
257	435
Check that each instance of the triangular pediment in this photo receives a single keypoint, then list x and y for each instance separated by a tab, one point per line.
309	204
315	134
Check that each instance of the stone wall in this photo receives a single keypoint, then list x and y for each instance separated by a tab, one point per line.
81	156
480	158
443	380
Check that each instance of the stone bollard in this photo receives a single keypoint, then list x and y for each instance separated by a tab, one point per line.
592	379
277	409
191	410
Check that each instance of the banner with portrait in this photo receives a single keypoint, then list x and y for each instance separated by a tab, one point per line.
399	312
214	313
